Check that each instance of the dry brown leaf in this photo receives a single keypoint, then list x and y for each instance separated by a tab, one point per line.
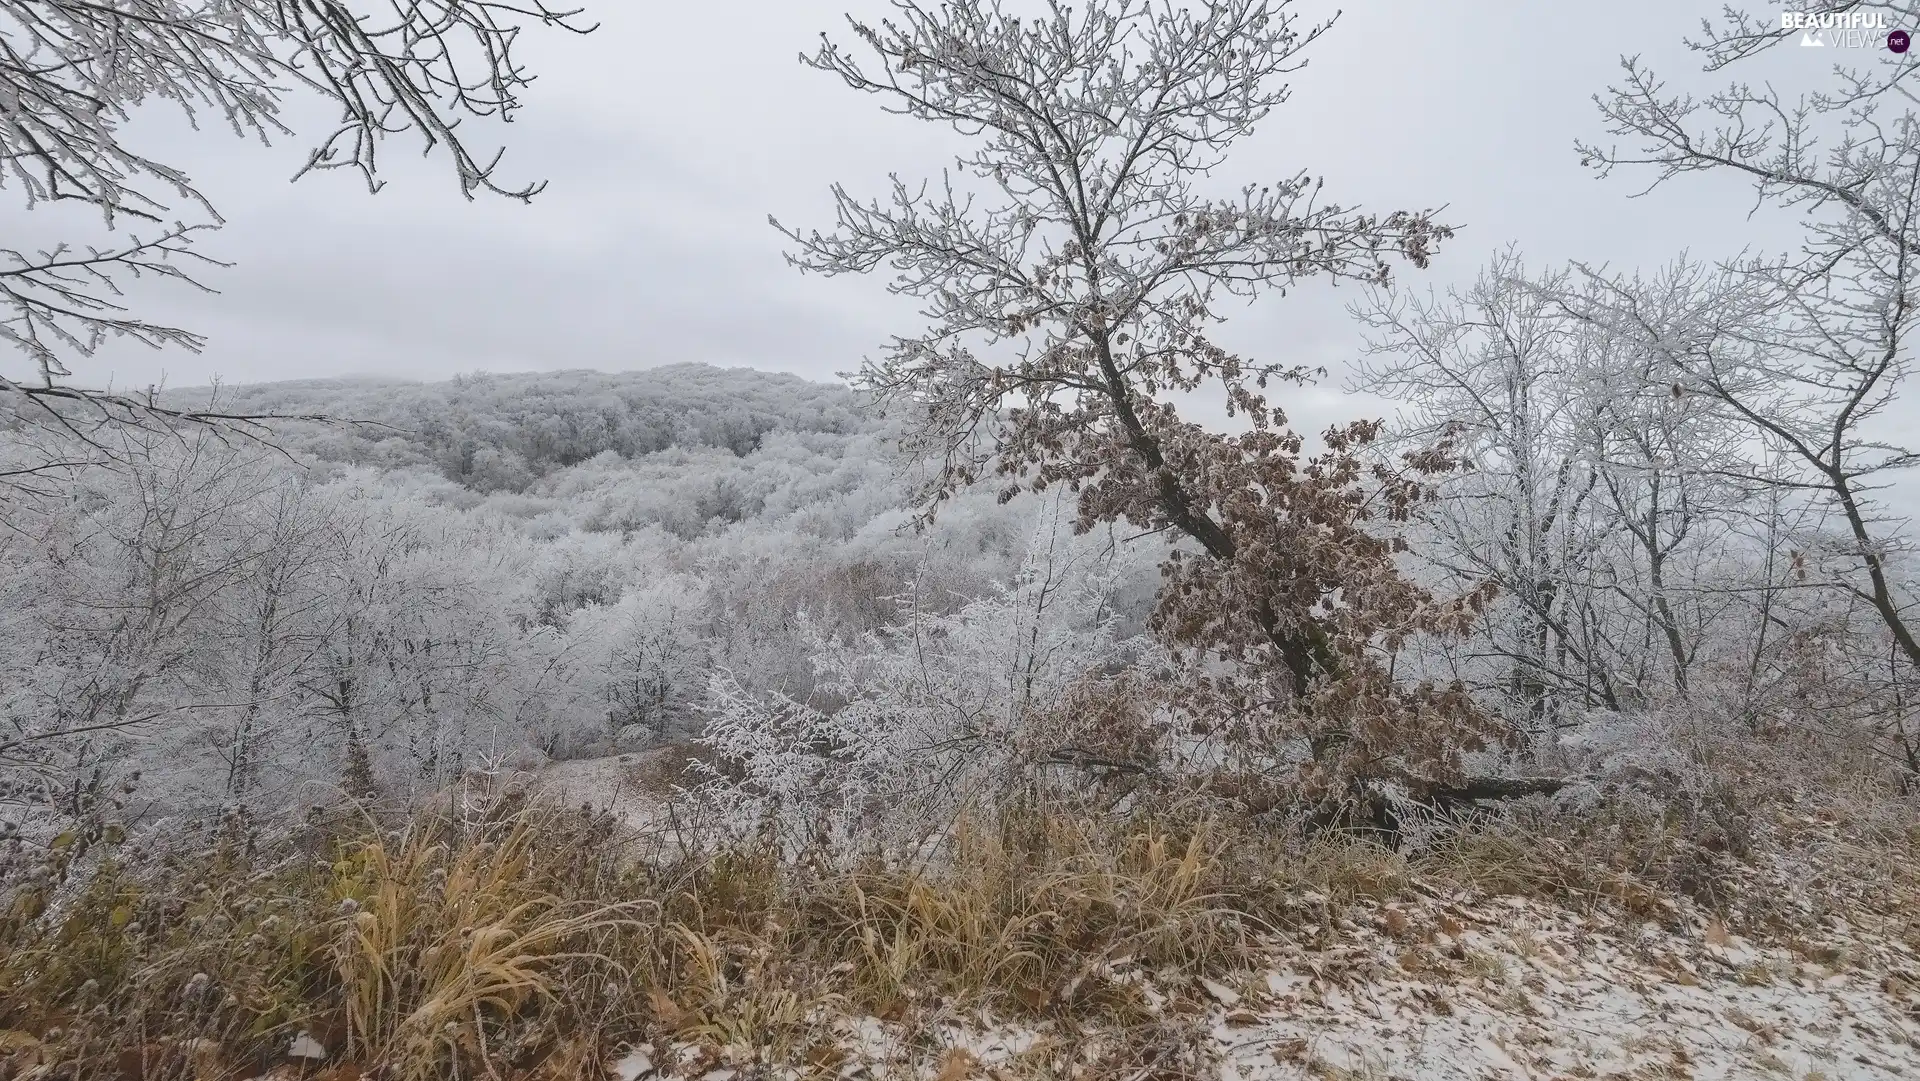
1291	1049
955	1065
1397	923
1717	933
666	1010
825	1056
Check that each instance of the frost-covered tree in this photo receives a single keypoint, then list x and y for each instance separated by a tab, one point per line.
646	657
1807	350
1072	266
911	725
121	606
273	627
1492	366
1595	496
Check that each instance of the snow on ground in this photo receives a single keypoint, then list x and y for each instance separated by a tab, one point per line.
1440	989
1519	989
1439	986
630	786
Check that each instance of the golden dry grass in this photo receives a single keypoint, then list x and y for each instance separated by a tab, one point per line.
528	942
519	942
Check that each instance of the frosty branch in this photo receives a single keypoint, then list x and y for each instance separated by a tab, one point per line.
72	73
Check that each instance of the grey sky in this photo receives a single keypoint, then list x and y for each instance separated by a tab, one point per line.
671	133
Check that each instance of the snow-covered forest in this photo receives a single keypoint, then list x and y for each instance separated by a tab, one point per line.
510	570
531	568
1037	699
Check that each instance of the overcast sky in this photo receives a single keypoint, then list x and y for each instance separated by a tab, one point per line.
672	132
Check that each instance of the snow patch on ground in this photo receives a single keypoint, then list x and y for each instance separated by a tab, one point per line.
625	785
1442	988
1518	989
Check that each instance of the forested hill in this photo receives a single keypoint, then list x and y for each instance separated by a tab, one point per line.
502	432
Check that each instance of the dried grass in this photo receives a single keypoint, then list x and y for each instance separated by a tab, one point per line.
512	938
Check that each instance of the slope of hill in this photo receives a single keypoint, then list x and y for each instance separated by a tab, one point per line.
502	432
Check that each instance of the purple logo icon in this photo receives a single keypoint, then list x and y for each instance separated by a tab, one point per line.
1897	41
